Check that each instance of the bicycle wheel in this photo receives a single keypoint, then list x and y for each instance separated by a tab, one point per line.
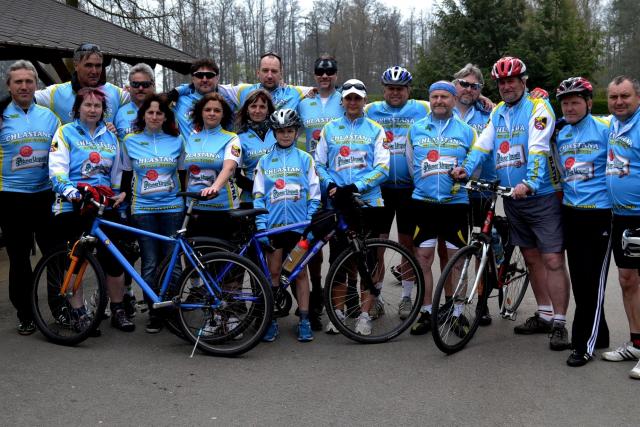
202	246
67	319
233	321
345	288
455	313
516	281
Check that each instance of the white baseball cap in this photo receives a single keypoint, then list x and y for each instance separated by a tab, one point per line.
354	86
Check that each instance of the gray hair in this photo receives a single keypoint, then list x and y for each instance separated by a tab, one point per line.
22	64
622	78
470	69
142	68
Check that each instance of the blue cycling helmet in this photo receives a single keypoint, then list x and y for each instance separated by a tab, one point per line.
398	76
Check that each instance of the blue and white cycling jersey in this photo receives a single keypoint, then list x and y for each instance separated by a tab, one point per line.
434	147
396	122
518	139
286	96
317	112
76	156
478	120
25	140
154	159
59	98
353	152
253	148
189	96
125	120
623	165
582	149
204	155
286	184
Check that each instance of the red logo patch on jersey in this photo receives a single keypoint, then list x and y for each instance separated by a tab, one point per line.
94	157
280	184
316	134
611	155
540	123
26	151
152	175
389	135
433	155
568	164
345	151
504	147
194	169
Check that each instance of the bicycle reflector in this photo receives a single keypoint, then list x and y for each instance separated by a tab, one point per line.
631	242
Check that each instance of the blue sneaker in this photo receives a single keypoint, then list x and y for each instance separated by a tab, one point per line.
304	331
272	332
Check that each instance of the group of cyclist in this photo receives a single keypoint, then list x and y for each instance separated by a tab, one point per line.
404	157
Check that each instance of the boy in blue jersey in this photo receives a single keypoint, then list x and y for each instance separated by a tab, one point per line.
396	114
623	182
286	184
582	152
518	137
25	191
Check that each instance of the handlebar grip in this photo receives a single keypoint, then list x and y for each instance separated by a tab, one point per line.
194	195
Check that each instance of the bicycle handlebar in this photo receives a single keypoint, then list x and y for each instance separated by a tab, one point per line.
492	186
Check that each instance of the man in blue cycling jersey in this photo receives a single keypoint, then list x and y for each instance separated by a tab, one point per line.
25	190
517	137
142	83
623	181
396	114
88	72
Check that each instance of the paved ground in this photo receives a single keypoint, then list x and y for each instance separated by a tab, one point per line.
141	379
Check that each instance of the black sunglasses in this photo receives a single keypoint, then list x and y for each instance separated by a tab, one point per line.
88	47
465	84
358	86
145	84
203	74
329	71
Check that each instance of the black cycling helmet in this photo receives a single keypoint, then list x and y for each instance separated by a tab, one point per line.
284	118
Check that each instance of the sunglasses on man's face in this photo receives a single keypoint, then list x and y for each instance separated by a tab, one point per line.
88	47
465	84
329	71
358	86
145	84
203	74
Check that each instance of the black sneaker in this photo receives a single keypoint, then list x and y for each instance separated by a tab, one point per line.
460	326
129	302
27	327
577	358
316	321
119	321
534	325
422	326
559	338
154	325
485	318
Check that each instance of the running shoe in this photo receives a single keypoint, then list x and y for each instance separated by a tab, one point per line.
304	331
534	325
404	309
377	309
559	339
423	325
363	324
272	332
625	352
27	327
331	329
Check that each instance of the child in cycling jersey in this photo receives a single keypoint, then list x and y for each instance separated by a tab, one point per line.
286	184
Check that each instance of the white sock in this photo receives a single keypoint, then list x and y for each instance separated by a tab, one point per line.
545	312
378	285
407	288
560	318
457	309
425	309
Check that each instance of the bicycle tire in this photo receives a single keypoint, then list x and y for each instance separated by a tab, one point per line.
389	324
202	245
53	313
455	319
250	302
516	282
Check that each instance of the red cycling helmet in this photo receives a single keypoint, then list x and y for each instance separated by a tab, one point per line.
576	86
508	66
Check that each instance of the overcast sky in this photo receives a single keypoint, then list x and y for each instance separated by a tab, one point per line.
404	5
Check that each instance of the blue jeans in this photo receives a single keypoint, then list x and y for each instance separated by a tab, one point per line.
152	251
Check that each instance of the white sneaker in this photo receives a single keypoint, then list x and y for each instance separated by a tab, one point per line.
232	323
625	352
331	329
404	309
635	372
363	324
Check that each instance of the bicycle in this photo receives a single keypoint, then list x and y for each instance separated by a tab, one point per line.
359	262
223	302
460	297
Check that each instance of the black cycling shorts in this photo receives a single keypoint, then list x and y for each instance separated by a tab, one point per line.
397	203
449	222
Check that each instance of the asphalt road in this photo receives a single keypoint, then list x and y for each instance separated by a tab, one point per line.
142	379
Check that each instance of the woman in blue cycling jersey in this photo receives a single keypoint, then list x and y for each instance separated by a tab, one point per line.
286	184
153	153
84	152
211	157
256	138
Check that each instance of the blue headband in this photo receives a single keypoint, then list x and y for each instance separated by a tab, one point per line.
449	87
